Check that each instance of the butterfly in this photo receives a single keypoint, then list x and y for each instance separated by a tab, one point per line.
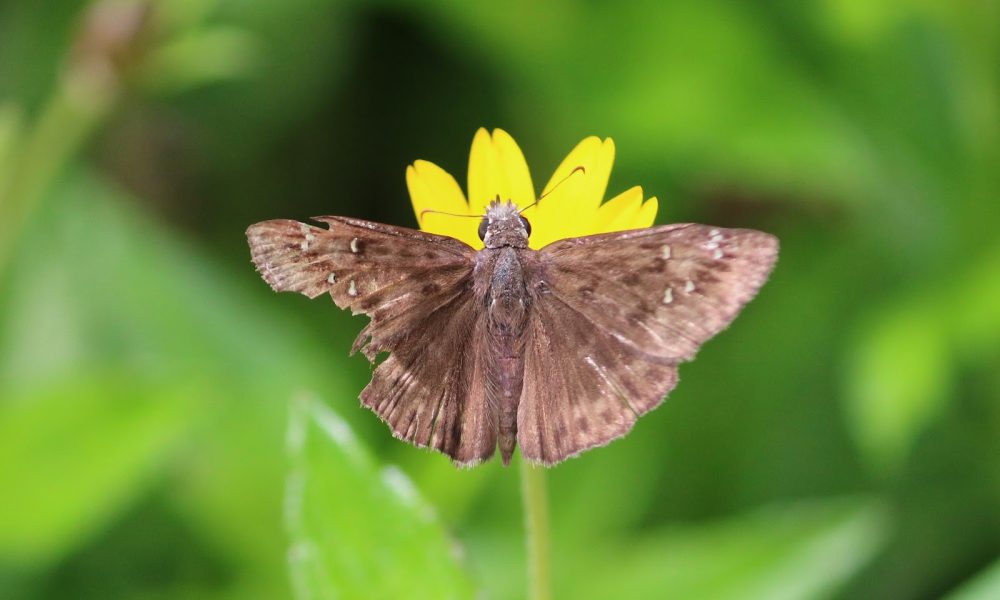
556	350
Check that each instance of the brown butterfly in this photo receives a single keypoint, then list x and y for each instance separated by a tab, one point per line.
558	350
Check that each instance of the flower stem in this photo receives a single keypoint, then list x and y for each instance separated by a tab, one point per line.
536	531
84	95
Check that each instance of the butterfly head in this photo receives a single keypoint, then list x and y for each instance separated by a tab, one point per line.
503	225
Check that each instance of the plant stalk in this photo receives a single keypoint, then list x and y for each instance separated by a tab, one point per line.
534	495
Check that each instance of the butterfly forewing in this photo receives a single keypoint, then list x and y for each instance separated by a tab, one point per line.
663	291
395	275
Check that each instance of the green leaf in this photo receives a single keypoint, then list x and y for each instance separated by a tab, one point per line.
898	381
901	371
358	531
976	306
802	550
76	453
131	366
202	56
10	132
984	586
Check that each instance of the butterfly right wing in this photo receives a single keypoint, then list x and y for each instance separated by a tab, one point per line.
417	289
582	388
612	316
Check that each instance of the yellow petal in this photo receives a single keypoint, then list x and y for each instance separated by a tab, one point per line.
497	168
619	213
647	214
571	207
569	210
521	191
432	188
483	170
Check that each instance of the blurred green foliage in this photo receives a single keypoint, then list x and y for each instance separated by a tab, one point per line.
841	440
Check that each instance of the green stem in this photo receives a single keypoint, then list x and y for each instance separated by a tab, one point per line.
536	531
68	119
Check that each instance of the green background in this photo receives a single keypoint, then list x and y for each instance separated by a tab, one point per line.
169	428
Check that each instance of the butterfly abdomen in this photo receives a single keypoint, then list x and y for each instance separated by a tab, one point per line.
506	318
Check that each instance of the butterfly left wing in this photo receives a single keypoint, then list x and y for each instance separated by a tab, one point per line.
416	288
612	316
431	389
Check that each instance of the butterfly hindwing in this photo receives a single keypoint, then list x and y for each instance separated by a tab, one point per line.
431	389
582	387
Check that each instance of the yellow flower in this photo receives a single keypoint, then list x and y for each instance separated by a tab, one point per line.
497	167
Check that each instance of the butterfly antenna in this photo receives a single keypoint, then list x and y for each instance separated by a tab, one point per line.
578	169
441	212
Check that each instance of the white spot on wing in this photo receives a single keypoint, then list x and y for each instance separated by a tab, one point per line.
668	296
353	289
304	244
331	278
666	252
713	243
689	286
354	246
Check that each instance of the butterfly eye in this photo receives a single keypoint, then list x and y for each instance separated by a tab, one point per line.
526	225
482	228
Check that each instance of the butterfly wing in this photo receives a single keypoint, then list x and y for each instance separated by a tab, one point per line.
431	388
581	388
394	275
417	289
612	316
